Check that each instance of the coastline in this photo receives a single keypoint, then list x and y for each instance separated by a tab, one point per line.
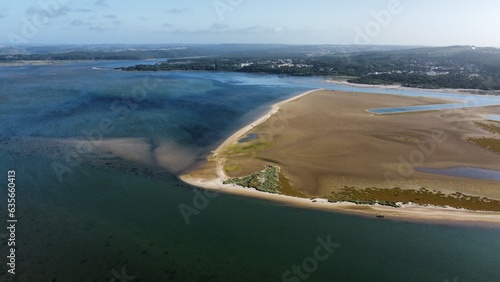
407	212
42	62
411	212
274	109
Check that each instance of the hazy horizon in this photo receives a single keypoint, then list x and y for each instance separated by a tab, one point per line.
321	22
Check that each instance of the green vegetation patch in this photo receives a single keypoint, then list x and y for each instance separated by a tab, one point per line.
267	180
249	149
390	197
491	144
493	127
270	180
231	168
286	188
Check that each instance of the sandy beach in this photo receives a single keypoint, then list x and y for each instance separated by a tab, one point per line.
415	213
323	140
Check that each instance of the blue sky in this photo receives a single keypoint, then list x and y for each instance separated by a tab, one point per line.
398	22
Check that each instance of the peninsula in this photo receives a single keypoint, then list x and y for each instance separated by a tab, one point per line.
323	149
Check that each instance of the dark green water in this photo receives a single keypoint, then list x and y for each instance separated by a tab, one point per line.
105	219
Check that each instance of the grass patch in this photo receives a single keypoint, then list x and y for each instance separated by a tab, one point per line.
265	181
249	149
231	168
493	127
270	180
491	144
390	197
285	188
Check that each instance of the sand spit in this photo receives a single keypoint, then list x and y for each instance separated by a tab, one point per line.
324	140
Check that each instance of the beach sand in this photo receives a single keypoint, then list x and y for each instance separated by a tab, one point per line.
325	140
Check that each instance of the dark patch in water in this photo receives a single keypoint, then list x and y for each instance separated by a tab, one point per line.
83	103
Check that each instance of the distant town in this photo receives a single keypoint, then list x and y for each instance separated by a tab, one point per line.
460	67
457	67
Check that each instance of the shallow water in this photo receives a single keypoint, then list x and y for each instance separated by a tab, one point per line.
468	172
468	101
109	214
248	137
493	117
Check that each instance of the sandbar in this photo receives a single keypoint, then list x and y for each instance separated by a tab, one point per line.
324	140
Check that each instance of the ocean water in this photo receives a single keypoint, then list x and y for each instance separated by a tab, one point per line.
110	217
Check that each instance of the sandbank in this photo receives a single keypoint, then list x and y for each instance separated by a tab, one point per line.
323	140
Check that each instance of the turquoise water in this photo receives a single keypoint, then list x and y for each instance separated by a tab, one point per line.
110	213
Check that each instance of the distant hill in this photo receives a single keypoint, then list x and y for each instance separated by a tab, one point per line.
119	52
467	67
447	67
456	67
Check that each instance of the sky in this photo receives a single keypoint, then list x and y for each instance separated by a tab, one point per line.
382	22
